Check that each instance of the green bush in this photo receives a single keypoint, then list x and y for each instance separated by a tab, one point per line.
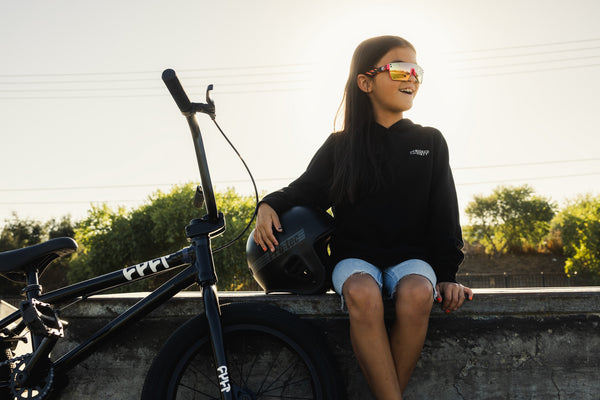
510	220
577	226
17	233
113	239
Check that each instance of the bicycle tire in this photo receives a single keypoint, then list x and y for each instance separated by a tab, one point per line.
271	353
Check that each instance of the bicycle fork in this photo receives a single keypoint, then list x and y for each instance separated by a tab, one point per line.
213	315
200	231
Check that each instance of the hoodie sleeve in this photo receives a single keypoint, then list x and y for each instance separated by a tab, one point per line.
312	188
445	241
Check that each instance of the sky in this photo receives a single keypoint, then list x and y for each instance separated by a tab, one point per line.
85	118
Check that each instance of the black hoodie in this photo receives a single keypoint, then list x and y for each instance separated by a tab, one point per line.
415	214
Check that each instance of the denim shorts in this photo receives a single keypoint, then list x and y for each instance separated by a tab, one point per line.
387	280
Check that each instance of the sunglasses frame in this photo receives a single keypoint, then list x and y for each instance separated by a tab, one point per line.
415	70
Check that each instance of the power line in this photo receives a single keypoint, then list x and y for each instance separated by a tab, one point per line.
110	96
95	92
274	85
68	202
528	179
156	79
104	89
543	53
272	179
528	71
237	181
86	187
272	66
232	72
112	187
251	90
526	46
521	64
457	184
526	164
245	67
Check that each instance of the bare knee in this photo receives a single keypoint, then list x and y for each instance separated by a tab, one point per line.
363	298
414	295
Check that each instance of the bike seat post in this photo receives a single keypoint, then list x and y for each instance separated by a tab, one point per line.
33	290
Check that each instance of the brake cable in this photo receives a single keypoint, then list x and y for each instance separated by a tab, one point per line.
253	185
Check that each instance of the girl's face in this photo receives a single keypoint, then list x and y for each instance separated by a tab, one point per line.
390	98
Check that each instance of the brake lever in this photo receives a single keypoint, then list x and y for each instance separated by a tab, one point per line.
208	107
199	197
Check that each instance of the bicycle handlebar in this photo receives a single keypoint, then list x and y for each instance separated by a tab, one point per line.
188	109
183	102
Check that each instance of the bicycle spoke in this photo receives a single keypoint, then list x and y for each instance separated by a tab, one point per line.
269	371
242	376
287	384
294	368
194	390
266	360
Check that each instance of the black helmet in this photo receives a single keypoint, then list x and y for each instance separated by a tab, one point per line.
299	264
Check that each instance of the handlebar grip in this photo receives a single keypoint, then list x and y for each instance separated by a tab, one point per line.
183	102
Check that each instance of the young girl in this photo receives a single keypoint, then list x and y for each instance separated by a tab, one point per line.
389	184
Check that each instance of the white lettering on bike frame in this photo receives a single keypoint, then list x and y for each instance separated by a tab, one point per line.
223	378
139	270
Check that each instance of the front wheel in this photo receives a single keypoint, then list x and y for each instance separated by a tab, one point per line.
271	354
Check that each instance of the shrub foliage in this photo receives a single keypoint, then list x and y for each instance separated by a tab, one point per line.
510	220
577	226
113	239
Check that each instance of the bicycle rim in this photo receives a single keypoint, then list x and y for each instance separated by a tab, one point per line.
263	364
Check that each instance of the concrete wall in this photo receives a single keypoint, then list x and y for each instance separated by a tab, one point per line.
506	344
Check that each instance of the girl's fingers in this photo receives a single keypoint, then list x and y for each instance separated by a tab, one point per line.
266	220
454	295
259	240
468	293
275	224
266	240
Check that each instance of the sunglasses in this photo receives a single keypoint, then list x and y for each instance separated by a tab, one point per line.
400	71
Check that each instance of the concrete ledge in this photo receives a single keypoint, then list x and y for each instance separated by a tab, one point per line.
505	344
487	303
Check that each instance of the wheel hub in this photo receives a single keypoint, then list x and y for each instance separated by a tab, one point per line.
242	394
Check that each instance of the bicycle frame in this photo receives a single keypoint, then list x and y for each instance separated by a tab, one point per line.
197	257
85	289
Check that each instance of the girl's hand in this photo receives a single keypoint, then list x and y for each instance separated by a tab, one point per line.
452	295
266	220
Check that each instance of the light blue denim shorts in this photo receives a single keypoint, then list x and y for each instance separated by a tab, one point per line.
387	280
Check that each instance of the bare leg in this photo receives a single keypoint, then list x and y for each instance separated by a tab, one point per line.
369	337
414	299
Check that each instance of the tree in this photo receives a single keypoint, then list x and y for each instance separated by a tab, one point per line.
18	233
64	227
113	239
578	227
103	239
511	219
231	265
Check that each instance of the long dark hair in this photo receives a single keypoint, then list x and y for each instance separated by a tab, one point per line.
356	166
